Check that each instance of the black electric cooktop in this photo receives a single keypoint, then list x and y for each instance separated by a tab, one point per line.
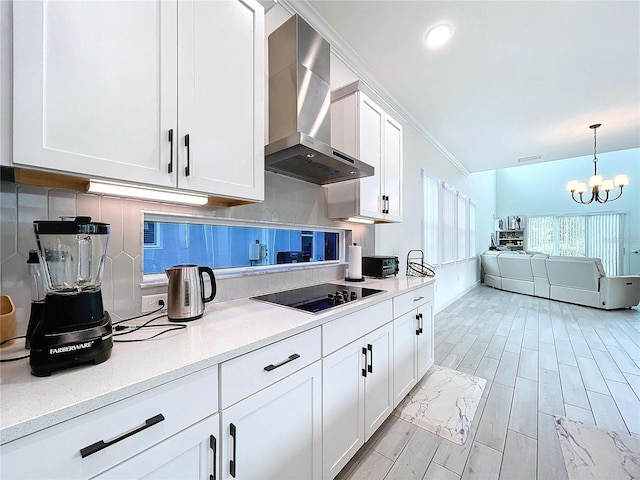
317	298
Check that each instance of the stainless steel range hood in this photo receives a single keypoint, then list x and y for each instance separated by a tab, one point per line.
300	109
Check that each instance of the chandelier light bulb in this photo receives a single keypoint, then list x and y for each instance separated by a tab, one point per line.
595	181
621	180
571	185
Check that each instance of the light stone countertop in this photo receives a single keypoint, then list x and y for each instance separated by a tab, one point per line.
228	329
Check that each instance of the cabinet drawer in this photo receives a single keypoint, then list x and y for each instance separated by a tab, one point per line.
346	329
245	375
413	299
55	451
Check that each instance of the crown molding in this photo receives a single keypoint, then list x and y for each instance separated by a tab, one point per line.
343	51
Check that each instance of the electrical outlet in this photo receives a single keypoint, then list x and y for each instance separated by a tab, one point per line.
152	302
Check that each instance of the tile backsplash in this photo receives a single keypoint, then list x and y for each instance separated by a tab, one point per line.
286	201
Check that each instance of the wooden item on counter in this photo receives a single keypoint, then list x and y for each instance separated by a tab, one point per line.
7	320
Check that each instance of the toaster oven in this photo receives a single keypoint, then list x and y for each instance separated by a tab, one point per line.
380	266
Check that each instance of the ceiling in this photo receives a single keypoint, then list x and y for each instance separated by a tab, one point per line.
517	79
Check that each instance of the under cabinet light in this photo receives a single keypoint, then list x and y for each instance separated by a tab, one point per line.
359	220
146	193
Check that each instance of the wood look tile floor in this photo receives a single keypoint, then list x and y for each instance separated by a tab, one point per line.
540	358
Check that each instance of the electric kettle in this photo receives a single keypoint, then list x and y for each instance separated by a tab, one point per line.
185	294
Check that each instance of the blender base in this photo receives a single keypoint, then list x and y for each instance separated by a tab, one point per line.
52	352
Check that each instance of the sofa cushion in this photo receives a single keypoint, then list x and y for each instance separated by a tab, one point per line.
575	272
517	267
490	263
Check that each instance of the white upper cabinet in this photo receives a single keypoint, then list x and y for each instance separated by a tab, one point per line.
112	89
221	97
361	128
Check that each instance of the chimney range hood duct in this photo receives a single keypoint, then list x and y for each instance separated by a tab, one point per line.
300	109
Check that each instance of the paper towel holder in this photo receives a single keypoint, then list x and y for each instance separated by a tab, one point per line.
351	264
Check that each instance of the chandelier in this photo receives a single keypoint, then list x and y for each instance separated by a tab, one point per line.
599	188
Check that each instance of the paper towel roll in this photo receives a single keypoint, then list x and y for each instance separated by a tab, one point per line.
355	262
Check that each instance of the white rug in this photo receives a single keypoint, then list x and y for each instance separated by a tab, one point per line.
444	403
595	453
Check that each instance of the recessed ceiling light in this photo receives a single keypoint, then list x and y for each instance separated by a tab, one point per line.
438	35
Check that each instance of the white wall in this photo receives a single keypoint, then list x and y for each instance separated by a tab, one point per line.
539	189
482	189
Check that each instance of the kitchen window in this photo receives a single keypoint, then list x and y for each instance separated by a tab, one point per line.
233	247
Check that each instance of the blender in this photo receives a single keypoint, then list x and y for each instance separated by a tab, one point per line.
74	329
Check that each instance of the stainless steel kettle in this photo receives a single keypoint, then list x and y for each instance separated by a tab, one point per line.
185	294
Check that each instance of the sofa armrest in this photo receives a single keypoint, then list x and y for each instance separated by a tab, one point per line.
619	292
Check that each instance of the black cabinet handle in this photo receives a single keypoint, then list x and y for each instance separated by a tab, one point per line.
188	167
364	370
418	329
290	358
232	462
96	447
171	152
370	367
213	446
421	322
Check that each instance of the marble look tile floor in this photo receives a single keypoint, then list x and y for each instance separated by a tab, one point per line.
444	403
593	453
540	358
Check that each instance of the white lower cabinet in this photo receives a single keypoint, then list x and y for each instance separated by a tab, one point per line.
190	454
276	433
357	396
413	352
130	429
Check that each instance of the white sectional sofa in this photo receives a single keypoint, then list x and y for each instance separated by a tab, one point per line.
577	280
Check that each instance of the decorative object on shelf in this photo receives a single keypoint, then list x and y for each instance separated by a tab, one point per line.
417	267
596	182
500	224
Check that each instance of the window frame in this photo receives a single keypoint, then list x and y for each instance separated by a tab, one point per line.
155	279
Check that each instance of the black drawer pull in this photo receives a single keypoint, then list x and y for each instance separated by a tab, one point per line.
187	169
370	367
232	462
421	322
290	358
214	453
366	361
170	168
96	447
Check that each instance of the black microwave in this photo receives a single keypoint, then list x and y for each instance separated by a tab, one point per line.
380	266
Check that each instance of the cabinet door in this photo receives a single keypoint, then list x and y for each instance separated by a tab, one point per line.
392	179
276	433
425	339
192	454
371	138
95	87
342	406
405	372
378	391
221	97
